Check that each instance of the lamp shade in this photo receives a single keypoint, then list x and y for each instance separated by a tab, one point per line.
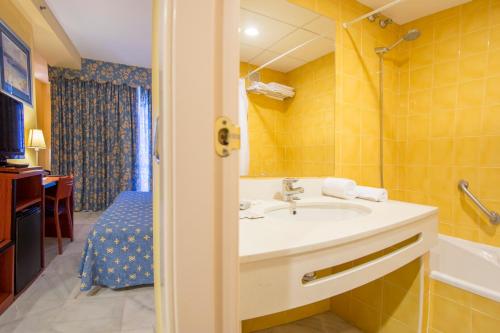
35	139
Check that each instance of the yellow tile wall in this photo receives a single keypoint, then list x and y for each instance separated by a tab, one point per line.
389	304
357	90
448	119
294	137
357	133
310	119
454	310
266	127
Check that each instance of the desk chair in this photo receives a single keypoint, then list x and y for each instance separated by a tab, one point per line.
60	204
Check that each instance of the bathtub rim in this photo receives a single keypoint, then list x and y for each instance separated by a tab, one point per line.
474	288
466	286
462	241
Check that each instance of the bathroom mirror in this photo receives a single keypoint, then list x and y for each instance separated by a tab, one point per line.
287	90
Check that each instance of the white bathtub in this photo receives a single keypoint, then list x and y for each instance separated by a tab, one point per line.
467	265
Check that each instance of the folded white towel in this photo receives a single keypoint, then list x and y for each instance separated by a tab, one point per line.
273	90
340	187
256	85
276	85
251	215
371	193
281	88
283	93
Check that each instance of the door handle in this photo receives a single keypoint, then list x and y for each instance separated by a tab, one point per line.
156	152
227	136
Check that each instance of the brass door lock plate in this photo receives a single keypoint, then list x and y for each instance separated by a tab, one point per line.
227	136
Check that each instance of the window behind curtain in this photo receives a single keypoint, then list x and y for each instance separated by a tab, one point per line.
144	139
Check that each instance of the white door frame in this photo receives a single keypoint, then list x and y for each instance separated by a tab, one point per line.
195	80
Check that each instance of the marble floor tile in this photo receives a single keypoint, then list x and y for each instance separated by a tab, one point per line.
30	323
81	230
91	308
54	303
326	322
28	309
51	248
87	326
138	313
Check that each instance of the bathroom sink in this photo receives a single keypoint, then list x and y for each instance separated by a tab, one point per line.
328	212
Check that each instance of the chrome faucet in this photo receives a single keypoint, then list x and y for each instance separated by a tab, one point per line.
289	193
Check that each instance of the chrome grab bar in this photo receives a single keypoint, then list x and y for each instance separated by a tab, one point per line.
494	217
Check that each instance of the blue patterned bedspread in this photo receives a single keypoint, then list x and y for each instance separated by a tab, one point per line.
119	248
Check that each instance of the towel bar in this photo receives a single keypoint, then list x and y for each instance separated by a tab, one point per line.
494	217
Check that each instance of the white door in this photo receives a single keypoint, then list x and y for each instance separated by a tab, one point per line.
195	80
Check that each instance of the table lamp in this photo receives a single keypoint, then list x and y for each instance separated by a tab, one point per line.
36	141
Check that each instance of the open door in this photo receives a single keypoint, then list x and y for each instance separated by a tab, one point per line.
195	80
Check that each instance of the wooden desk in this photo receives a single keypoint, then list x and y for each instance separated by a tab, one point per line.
49	181
49	229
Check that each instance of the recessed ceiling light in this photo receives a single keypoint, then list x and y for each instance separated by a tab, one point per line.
251	31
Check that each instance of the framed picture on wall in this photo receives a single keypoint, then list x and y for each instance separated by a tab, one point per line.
15	65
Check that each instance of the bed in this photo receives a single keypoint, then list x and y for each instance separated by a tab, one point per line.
119	248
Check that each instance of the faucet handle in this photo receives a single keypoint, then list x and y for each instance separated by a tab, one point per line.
290	180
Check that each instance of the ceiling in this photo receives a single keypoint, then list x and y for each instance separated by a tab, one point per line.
283	26
117	31
410	10
120	31
51	44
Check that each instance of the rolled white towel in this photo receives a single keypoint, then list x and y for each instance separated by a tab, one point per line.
372	193
340	187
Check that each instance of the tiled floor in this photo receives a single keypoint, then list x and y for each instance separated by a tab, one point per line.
54	302
326	322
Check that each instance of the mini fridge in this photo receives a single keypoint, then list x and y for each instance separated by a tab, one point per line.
28	259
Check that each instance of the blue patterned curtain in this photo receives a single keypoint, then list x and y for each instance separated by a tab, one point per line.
94	139
104	72
101	130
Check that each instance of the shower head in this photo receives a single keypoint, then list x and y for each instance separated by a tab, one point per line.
409	36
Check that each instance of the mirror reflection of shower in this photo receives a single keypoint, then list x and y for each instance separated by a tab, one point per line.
411	35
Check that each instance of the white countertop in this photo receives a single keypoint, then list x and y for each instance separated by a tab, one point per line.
267	238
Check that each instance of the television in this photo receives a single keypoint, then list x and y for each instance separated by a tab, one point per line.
11	129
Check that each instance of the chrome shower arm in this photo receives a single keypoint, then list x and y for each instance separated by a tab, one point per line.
395	44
